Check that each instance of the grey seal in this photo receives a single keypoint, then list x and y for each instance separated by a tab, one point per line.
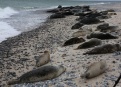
40	74
42	59
91	43
103	49
95	69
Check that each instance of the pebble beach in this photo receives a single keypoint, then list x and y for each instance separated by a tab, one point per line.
17	54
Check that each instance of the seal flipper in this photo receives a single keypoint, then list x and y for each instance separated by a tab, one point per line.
15	81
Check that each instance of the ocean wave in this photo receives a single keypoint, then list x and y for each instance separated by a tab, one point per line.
7	12
7	31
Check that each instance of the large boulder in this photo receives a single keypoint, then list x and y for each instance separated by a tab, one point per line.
77	25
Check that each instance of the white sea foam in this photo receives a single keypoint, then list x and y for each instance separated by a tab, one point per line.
7	12
7	31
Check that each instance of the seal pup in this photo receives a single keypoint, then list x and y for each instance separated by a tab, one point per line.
91	43
79	33
101	36
43	59
74	40
95	69
40	74
107	48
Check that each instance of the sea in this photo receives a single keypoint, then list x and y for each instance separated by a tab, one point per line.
17	16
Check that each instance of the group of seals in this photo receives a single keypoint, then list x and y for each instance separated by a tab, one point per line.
95	69
91	43
40	74
104	27
107	48
50	72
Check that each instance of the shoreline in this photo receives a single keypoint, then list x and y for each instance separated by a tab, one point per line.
17	54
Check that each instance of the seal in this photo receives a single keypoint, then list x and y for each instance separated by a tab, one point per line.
95	69
101	36
106	28
43	59
103	49
79	33
74	40
40	74
91	43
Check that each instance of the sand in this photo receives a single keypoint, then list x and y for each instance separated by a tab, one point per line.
17	55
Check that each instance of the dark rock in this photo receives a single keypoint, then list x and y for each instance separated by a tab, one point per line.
90	20
57	15
59	6
13	60
23	59
12	74
77	25
1	65
113	61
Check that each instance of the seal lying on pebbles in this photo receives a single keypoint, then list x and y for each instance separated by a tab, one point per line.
95	69
107	48
77	26
104	27
40	74
43	59
91	43
79	33
101	36
73	41
90	20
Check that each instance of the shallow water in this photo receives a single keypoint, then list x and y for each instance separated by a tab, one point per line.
25	15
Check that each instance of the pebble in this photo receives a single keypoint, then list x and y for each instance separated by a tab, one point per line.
71	84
